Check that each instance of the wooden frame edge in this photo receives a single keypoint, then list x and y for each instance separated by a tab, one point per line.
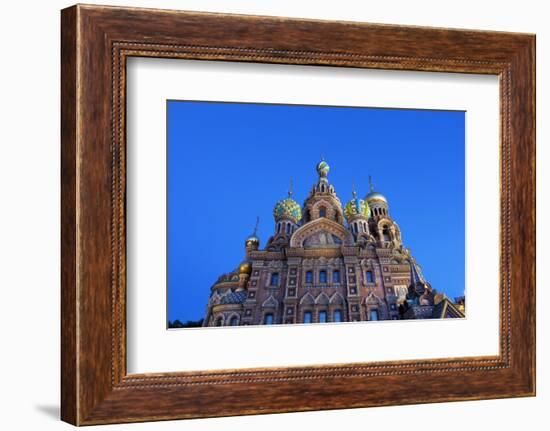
108	394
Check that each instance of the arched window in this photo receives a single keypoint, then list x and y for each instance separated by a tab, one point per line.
234	321
219	321
369	277
309	277
278	227
268	319
288	228
354	228
322	276
374	314
386	233
322	316
337	316
275	279
322	212
307	317
336	276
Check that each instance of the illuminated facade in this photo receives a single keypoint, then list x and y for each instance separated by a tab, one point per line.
327	263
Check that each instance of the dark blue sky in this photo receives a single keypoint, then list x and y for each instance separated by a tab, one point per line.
231	162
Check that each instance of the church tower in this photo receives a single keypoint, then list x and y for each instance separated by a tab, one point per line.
322	201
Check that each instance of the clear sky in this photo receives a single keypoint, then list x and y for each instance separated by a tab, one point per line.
231	162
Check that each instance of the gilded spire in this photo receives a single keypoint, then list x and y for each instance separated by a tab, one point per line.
256	226
371	185
290	188
253	239
353	192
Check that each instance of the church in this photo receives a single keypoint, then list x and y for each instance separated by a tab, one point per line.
327	263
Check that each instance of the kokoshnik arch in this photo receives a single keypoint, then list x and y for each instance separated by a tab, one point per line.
327	263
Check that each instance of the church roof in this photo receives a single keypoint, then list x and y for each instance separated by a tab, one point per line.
234	298
446	309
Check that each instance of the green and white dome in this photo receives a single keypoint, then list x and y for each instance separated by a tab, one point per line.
287	209
322	168
356	207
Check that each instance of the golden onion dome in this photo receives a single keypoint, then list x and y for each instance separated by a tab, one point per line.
375	196
245	268
287	209
356	207
252	240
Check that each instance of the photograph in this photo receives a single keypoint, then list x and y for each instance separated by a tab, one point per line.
301	214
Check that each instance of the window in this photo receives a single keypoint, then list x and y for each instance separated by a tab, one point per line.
337	317
309	277
369	277
336	276
322	276
234	321
268	319
322	317
386	233
307	317
278	227
219	321
288	228
322	212
374	315
275	279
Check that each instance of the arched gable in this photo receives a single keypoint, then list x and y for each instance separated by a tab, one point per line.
322	299
307	299
372	299
270	302
337	299
321	225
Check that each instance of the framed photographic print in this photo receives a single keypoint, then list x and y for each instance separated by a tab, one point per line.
273	206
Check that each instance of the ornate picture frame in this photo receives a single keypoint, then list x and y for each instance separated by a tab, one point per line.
96	41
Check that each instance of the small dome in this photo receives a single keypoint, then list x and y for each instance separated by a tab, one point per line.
245	268
287	208
375	196
356	207
252	240
322	168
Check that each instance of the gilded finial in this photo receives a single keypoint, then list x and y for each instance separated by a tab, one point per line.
353	192
371	185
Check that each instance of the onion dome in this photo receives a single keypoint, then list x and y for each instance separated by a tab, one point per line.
322	169
253	240
375	196
287	209
356	207
245	268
